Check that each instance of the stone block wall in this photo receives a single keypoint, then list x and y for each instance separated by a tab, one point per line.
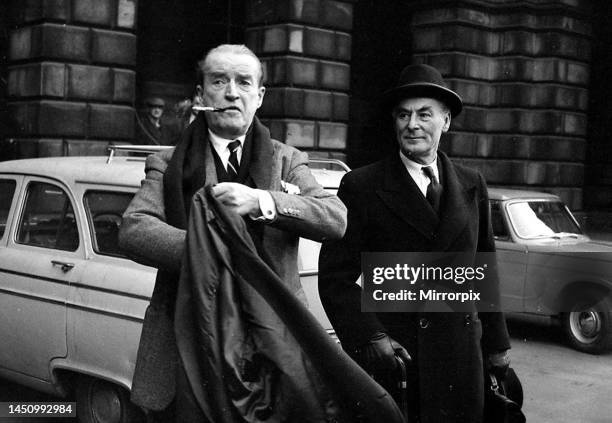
71	75
305	47
523	71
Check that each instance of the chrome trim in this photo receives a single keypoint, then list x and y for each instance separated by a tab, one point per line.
135	149
336	162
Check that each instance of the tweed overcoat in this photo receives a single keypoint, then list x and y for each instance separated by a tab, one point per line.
387	212
147	237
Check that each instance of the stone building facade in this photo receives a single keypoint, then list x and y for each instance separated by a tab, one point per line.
532	73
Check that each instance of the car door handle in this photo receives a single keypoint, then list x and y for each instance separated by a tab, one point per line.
64	265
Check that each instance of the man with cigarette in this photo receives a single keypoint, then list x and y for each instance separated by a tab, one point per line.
261	179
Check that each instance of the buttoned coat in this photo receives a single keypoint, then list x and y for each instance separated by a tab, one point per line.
148	239
388	213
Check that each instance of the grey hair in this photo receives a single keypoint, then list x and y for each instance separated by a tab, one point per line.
229	49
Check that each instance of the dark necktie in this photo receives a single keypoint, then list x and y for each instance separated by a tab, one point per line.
232	163
434	189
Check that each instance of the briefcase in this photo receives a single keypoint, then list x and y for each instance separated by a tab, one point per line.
503	399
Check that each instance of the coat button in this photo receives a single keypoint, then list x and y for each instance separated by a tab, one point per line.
423	323
468	319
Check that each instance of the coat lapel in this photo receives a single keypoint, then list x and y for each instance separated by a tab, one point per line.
261	156
455	211
209	164
403	197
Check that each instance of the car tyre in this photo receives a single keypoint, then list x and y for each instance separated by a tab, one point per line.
588	324
98	401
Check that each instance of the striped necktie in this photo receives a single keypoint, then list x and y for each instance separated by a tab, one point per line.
232	163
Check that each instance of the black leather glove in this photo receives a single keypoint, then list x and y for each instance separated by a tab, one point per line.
498	364
378	354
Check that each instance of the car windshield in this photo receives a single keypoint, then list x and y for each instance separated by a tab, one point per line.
542	219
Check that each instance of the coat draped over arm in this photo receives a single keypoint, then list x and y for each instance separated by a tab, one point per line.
250	349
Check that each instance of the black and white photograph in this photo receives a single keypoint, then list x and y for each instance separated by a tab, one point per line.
306	211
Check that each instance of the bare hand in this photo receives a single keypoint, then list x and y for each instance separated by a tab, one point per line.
239	198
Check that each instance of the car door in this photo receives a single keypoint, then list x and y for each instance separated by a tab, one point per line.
42	256
107	306
511	261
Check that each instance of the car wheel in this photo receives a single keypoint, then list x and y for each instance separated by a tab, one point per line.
98	401
588	325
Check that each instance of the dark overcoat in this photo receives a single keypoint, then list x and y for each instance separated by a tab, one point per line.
251	350
387	212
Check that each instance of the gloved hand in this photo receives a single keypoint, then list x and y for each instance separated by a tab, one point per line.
498	363
378	354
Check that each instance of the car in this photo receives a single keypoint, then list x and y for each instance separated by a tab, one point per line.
550	270
71	303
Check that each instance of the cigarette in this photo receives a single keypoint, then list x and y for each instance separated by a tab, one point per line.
204	108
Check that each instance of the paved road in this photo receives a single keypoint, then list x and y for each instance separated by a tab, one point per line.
561	385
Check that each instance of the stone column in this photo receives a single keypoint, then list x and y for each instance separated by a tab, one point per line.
522	68
305	46
71	79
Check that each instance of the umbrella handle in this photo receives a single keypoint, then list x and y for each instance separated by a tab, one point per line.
402	385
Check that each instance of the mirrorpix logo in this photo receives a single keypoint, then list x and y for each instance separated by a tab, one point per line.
405	282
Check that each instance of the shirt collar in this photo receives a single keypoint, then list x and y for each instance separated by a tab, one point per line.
220	144
414	168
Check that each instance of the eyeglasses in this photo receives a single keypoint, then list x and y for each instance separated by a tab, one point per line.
152	106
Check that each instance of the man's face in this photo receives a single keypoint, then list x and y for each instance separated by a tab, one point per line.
156	111
231	81
419	124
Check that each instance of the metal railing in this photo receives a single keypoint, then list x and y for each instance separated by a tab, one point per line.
148	149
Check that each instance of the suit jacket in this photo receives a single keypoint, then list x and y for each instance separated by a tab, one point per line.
388	212
148	239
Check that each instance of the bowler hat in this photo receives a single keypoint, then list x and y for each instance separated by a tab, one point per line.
422	81
155	102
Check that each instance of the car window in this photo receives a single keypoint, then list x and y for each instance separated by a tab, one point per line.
500	231
534	219
104	210
7	190
48	219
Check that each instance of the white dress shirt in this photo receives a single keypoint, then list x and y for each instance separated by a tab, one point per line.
266	202
220	146
415	170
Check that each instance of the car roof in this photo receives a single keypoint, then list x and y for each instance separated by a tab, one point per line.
329	179
122	171
512	194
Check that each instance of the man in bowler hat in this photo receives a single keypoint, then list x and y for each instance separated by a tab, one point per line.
151	128
417	200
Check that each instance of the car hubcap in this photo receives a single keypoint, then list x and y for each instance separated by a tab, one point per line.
585	325
105	404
